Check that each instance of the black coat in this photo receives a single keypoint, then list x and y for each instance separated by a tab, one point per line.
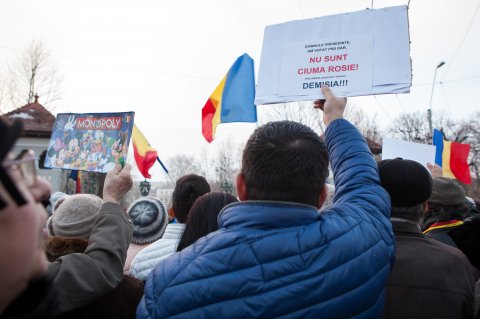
467	239
429	279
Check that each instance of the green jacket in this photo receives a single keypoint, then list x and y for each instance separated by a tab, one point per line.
82	277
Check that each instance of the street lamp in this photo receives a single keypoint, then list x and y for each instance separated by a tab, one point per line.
145	187
226	186
429	112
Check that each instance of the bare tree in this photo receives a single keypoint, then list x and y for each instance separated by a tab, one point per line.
205	163
302	112
181	164
3	95
32	73
367	125
411	127
227	163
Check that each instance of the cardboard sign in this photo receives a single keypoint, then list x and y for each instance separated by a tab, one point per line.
344	65
421	153
90	142
357	53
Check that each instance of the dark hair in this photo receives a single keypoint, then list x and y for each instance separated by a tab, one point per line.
187	189
285	161
202	218
442	213
414	213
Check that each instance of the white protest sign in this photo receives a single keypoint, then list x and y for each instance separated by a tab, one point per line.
377	61
345	65
421	153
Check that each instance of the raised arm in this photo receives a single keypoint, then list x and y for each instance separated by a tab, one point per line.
354	168
81	278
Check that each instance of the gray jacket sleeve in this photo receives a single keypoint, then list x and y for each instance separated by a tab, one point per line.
80	278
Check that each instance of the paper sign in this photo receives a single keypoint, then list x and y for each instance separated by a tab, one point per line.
421	153
91	142
377	61
343	64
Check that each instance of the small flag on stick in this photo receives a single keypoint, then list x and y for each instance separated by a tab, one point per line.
145	155
452	157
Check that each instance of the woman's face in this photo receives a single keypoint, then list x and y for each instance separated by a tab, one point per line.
22	235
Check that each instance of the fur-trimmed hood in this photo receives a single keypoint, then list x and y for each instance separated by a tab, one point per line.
57	247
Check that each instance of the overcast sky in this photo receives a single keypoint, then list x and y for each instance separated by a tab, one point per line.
162	59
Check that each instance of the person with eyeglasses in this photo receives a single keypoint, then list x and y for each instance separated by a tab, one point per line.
30	286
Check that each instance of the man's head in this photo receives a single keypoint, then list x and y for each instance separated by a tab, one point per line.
22	218
447	201
284	161
409	185
187	189
447	192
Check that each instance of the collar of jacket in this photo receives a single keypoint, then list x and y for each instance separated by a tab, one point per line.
447	224
266	214
405	227
57	247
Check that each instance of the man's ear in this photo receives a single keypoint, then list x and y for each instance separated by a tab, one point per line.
323	196
425	207
424	211
241	187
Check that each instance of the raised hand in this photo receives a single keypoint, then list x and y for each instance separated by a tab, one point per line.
333	107
117	183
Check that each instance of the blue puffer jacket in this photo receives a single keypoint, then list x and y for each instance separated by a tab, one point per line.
274	259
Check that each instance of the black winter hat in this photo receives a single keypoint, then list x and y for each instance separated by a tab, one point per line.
407	182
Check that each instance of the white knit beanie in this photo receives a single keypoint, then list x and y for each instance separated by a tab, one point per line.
75	217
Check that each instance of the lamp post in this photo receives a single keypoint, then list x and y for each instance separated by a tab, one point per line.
145	188
429	111
226	186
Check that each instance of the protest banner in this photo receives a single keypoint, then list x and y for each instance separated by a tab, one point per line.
357	53
89	142
421	153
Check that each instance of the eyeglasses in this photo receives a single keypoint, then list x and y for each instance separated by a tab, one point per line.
25	165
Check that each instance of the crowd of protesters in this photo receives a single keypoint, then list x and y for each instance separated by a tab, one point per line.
389	239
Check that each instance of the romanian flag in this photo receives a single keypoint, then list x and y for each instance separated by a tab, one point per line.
452	157
76	176
145	155
232	100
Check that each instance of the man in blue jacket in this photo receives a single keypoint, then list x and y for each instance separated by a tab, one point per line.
274	255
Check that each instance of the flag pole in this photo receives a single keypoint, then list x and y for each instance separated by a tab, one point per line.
165	169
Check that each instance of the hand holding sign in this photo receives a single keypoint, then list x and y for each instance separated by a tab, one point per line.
435	170
333	107
117	182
